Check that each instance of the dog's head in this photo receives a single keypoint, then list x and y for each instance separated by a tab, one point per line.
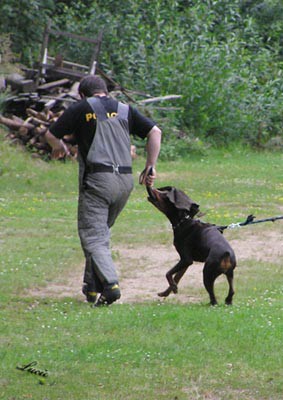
174	203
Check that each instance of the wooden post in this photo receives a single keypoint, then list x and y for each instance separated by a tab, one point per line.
43	53
95	55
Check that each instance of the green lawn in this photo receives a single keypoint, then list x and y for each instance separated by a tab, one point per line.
138	351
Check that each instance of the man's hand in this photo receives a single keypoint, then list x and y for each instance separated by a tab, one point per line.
59	148
147	176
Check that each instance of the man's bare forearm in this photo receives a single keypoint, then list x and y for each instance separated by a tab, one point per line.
153	146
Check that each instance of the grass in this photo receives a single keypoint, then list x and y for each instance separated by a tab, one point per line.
137	351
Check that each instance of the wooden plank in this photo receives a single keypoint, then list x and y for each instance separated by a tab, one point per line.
63	72
70	63
53	84
24	85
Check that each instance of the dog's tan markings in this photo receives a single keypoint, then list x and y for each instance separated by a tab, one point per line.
225	264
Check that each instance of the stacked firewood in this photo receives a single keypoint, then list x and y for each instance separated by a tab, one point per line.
29	114
32	108
30	132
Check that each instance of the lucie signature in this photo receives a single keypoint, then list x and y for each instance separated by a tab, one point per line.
30	368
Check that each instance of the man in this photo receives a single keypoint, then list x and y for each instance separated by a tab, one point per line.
101	127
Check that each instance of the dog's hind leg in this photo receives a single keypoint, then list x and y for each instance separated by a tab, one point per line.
174	276
230	276
209	275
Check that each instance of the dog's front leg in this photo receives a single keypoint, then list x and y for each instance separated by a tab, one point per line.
179	270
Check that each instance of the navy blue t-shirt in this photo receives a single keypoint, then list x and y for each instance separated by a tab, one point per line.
79	120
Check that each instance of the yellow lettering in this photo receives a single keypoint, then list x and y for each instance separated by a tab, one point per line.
111	115
89	116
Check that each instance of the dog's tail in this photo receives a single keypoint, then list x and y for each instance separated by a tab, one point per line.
226	263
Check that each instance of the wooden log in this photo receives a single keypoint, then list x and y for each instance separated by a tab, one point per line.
17	119
31	112
12	124
23	131
38	121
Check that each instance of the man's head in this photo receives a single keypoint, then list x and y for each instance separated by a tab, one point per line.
91	85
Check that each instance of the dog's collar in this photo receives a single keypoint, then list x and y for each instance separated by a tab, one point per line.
181	222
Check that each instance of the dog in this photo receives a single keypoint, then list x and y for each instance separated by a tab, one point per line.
194	240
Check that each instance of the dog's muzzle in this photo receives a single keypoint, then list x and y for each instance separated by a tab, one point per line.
151	194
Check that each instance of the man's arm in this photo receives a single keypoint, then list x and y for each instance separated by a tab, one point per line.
152	147
59	149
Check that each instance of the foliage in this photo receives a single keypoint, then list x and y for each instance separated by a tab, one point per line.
6	55
267	18
7	66
25	21
224	57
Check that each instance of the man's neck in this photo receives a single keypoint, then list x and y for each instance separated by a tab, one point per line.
100	94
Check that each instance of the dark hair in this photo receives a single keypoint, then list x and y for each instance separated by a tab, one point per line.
92	84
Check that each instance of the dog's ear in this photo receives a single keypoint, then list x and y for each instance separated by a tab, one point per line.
166	189
181	200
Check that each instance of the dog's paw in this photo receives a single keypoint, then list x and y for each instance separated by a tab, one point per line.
165	293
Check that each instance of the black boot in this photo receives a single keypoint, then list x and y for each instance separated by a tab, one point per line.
111	293
91	295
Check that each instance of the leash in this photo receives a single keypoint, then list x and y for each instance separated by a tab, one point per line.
249	221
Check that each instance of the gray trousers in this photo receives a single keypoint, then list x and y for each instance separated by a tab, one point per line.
102	196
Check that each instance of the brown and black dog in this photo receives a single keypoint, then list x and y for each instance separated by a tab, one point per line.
194	240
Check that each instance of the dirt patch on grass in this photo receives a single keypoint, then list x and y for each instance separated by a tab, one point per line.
142	269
